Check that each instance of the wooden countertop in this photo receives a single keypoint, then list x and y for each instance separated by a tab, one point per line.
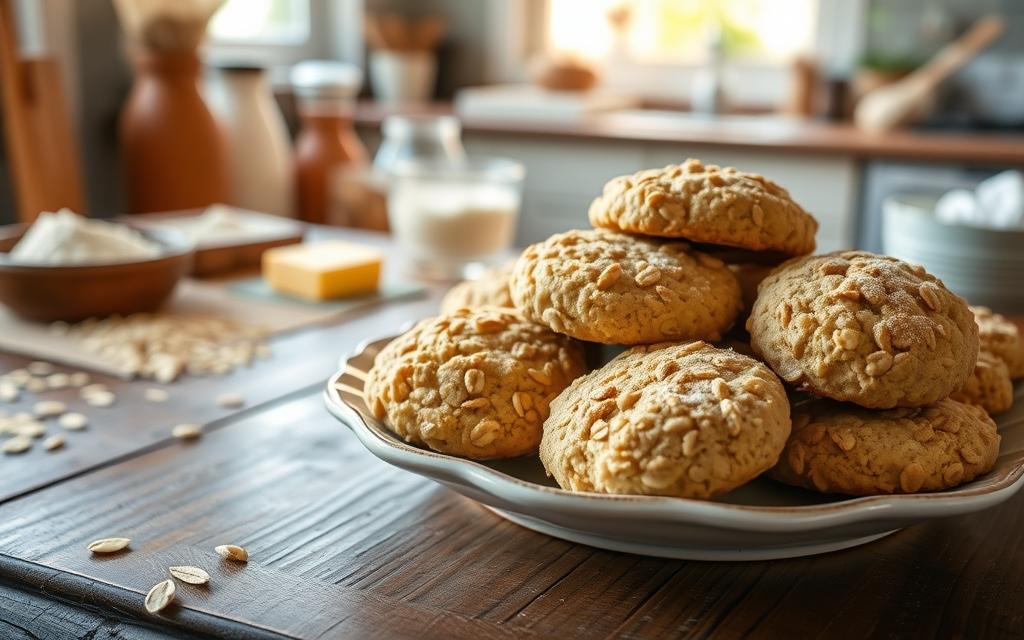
343	545
766	133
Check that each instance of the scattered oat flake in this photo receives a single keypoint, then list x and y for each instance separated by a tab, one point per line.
187	431
230	400
89	389
100	399
9	392
73	421
40	368
53	442
29	429
49	408
155	394
78	379
191	575
160	596
17	444
108	545
232	552
58	380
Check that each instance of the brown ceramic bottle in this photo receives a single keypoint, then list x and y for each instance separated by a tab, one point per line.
326	144
327	148
172	149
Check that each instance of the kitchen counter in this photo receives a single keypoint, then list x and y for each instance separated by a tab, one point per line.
762	133
343	545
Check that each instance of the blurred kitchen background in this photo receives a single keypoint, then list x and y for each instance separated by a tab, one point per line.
577	91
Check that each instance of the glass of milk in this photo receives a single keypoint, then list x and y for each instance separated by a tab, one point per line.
451	219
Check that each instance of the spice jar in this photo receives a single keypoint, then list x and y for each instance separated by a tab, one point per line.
327	145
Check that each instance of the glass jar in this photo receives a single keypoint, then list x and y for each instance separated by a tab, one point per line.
360	198
424	138
452	219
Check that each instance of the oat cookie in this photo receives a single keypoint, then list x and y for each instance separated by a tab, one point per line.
864	328
842	448
1001	338
750	276
474	383
614	288
489	290
706	203
989	386
685	420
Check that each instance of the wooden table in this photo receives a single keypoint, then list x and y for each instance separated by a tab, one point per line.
343	545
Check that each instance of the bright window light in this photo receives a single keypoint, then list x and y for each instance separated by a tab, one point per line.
261	22
678	31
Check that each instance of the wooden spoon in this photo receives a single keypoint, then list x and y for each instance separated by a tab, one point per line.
900	103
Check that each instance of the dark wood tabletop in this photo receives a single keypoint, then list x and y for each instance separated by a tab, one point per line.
343	545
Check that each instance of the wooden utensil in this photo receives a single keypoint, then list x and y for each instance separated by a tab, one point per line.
902	102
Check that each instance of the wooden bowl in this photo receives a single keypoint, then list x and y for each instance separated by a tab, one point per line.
46	293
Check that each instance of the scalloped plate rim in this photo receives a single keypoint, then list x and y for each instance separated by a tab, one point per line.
530	496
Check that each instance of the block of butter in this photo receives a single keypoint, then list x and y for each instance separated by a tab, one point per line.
323	270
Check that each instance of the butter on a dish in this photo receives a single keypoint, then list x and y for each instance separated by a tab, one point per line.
323	270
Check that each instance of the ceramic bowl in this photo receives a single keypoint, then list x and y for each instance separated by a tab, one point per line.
759	521
46	293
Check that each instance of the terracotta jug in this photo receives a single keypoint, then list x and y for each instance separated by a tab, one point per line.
173	153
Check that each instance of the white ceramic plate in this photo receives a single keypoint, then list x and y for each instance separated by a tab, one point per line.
760	521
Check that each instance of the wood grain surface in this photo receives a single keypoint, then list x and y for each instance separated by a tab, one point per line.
343	545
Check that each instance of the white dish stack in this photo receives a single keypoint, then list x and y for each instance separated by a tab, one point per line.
982	264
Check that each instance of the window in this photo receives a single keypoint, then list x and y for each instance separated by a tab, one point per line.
681	31
285	22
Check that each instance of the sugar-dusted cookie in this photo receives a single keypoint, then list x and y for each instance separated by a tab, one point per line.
864	328
475	383
684	420
842	448
1001	338
989	386
706	203
489	290
615	288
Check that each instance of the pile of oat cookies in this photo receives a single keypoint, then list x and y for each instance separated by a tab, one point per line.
743	354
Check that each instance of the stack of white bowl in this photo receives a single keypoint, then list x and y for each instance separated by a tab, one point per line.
984	265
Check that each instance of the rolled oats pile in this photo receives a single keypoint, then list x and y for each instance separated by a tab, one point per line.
163	347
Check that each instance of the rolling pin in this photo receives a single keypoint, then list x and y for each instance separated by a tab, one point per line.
902	102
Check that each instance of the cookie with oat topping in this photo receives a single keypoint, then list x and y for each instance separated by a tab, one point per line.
989	386
864	328
1001	338
489	290
706	203
685	420
842	448
475	384
613	288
